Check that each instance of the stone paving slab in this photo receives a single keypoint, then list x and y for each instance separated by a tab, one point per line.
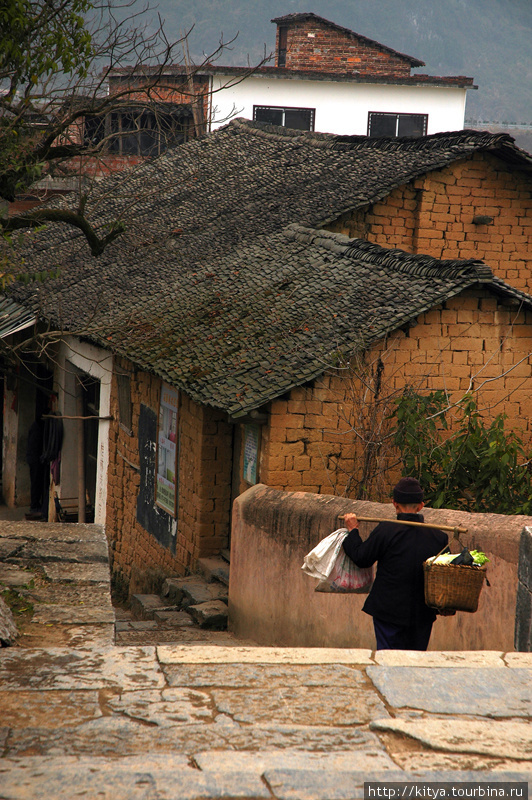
97	635
494	738
176	654
135	778
166	708
518	660
51	531
9	548
117	723
435	658
25	708
81	668
262	676
51	614
151	777
11	575
77	552
78	573
370	758
287	737
173	722
69	594
484	692
349	785
120	736
425	760
301	706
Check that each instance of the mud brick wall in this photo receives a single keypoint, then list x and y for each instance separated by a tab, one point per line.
435	215
523	614
312	45
465	343
204	492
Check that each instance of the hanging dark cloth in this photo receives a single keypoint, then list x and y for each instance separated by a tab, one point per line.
52	439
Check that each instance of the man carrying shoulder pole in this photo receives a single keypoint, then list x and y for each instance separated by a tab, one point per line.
401	618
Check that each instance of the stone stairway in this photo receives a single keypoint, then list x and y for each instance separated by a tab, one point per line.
199	601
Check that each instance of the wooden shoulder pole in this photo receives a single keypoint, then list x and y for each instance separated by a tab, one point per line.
453	529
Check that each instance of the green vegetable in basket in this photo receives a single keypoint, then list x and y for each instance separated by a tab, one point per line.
479	558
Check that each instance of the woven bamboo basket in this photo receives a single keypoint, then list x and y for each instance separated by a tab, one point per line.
453	587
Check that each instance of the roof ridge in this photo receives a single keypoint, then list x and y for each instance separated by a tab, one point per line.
279	133
371	253
446	139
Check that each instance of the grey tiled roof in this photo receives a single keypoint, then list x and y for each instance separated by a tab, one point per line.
222	286
277	313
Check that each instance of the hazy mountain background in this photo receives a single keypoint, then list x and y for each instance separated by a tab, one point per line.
489	40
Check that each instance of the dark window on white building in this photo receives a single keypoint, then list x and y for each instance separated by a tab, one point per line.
300	118
383	124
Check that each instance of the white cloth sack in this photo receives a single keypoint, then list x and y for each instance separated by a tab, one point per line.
320	561
334	569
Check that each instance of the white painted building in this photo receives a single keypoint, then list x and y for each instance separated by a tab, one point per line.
341	107
330	79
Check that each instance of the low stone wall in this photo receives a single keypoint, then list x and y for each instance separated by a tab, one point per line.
273	602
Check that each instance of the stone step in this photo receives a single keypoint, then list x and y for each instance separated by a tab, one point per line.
175	619
211	615
214	568
189	591
144	606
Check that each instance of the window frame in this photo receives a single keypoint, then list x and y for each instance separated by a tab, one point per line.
282	46
397	115
125	130
284	109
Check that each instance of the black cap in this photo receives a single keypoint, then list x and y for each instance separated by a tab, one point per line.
407	491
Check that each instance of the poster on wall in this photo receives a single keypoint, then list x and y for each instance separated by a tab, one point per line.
251	452
166	478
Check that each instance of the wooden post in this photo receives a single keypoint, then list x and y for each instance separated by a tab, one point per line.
81	452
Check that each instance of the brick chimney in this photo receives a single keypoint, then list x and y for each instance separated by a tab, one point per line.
309	42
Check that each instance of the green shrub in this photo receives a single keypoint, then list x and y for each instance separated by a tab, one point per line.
462	460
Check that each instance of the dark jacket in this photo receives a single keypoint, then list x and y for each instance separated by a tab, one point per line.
398	594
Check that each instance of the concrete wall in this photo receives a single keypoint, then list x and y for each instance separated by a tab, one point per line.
273	602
